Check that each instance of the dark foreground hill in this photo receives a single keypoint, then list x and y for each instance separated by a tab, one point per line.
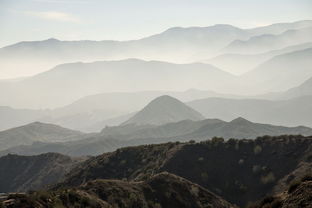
21	173
238	170
298	195
162	190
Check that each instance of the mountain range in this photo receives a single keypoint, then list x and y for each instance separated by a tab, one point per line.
92	113
173	45
281	72
292	112
224	120
241	63
164	119
108	76
55	90
267	42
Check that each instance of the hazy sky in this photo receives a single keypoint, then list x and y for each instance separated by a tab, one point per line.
133	19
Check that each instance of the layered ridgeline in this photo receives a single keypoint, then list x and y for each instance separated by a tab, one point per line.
174	45
36	132
281	72
93	112
162	120
304	89
238	170
268	42
288	112
162	110
22	173
276	69
241	63
128	75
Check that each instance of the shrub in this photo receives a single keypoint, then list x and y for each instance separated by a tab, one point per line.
256	168
269	178
217	140
277	203
200	159
241	161
204	176
257	149
267	200
293	186
306	178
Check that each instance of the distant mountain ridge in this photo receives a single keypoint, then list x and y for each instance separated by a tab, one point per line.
92	113
267	42
242	63
112	138
305	89
162	110
109	76
33	132
177	44
292	112
281	72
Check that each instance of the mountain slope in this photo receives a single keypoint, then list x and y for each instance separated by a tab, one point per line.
281	72
164	109
238	170
22	173
305	89
279	28
162	190
268	42
292	112
12	117
241	128
242	63
200	130
25	135
109	76
92	113
173	45
298	195
112	138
